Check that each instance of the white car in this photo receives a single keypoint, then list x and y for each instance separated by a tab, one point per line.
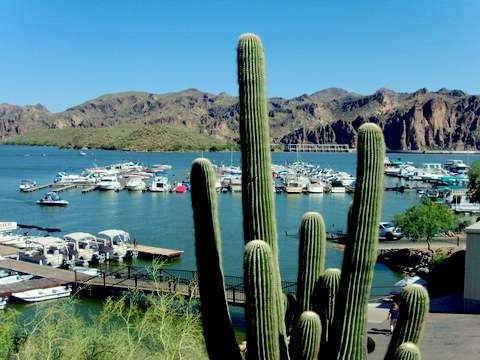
388	231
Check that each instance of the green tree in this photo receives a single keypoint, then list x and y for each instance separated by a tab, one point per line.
474	181
425	220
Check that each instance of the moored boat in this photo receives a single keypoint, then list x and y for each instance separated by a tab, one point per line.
26	185
109	182
135	183
43	294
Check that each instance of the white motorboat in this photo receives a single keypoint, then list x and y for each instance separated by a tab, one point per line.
3	302
337	187
135	183
43	294
86	270
160	184
48	250
315	188
109	182
64	178
83	248
52	199
236	183
456	166
26	185
115	245
13	278
293	187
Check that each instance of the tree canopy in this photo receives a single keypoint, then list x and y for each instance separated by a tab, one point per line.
425	220
474	181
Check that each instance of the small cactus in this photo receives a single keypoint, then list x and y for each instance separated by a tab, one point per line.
311	258
407	351
305	339
260	311
414	302
324	299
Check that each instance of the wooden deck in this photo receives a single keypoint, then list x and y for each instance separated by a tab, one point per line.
39	187
7	250
8	289
145	251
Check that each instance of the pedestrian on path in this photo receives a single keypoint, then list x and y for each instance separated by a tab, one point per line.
393	316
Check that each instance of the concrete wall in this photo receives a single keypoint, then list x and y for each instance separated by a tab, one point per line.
472	266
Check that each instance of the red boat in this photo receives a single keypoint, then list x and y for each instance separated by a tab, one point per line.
181	188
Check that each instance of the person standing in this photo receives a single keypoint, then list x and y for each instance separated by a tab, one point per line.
393	316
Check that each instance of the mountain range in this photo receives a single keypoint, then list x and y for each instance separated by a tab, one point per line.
422	120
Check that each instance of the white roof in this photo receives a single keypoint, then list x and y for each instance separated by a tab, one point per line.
79	235
112	233
47	240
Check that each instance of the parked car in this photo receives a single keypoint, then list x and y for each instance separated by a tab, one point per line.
388	231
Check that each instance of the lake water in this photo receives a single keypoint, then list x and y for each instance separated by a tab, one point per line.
165	220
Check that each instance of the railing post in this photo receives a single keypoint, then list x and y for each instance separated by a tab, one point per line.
104	279
233	293
135	281
75	272
129	271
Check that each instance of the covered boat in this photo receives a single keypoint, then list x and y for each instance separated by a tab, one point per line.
115	244
52	199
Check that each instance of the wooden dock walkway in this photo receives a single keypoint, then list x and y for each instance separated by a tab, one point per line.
8	250
88	189
39	187
64	187
145	251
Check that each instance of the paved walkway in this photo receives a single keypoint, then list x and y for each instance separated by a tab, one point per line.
446	336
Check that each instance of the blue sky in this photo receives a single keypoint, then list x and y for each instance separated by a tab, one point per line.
62	53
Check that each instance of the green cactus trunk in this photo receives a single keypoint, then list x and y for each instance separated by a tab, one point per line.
305	339
414	303
407	351
217	327
311	258
361	249
324	301
260	308
257	195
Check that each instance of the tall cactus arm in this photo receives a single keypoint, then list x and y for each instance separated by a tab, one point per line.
407	351
324	301
257	196
258	204
305	339
311	258
361	248
260	311
217	327
413	306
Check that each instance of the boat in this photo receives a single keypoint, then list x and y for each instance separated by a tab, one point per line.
236	184
337	187
135	183
26	185
181	188
64	178
410	281
52	199
86	270
83	248
159	184
109	182
315	188
459	201
115	245
13	278
3	302
48	250
43	294
82	153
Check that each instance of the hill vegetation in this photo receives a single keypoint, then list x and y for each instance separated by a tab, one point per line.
133	138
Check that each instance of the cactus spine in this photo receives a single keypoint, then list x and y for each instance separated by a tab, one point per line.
261	294
311	258
361	249
407	351
324	301
257	197
217	327
414	302
305	339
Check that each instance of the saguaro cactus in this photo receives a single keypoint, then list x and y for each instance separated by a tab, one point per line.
414	303
311	258
257	196
361	248
305	339
324	301
407	351
260	310
217	327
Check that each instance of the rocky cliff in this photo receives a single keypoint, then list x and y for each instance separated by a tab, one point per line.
445	119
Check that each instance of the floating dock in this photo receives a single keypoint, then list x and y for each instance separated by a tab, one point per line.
8	250
39	187
33	284
145	251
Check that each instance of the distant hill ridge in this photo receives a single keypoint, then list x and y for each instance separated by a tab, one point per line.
444	119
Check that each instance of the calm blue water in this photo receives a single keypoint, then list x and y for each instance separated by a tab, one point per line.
166	219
